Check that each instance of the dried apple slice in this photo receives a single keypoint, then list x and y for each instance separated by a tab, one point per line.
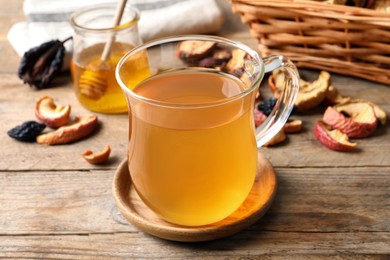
379	112
235	65
97	158
334	139
293	126
50	114
278	138
276	82
79	129
309	96
355	119
192	51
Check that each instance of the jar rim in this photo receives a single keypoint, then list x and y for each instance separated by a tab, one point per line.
133	21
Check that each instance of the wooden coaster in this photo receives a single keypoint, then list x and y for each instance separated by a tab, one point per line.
253	208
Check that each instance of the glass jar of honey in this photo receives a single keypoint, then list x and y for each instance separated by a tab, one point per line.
98	45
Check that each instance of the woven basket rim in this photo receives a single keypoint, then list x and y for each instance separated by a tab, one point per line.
299	4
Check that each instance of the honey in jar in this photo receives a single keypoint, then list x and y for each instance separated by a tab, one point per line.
93	74
94	80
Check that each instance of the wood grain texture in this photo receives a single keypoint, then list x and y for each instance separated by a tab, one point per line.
246	245
329	205
308	200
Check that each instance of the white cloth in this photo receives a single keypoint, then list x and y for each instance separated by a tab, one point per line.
48	20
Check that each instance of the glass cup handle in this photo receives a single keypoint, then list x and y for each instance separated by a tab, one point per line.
285	103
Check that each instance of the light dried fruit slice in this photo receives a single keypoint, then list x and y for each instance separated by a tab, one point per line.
309	96
278	138
222	54
334	139
97	158
355	119
79	129
276	82
292	126
50	114
379	112
235	65
192	51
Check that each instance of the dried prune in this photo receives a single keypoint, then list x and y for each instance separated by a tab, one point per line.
267	105
40	65
26	132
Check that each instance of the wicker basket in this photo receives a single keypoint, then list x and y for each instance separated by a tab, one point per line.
342	39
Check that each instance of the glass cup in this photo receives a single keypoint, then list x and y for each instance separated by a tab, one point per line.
98	45
192	152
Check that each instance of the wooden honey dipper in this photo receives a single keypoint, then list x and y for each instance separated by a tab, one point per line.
93	84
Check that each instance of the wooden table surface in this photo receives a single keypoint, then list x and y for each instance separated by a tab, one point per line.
55	205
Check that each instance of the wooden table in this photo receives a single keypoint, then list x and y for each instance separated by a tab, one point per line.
55	205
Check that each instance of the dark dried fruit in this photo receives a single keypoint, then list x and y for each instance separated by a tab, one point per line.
192	51
41	64
26	132
209	62
267	105
219	58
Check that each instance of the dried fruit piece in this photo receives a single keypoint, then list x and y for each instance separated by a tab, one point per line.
267	105
358	3
369	4
332	138
293	126
219	57
333	97
381	6
40	65
79	129
276	82
235	66
209	62
258	93
97	158
278	138
51	114
192	51
309	96
222	54
379	112
259	117
356	120
26	132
